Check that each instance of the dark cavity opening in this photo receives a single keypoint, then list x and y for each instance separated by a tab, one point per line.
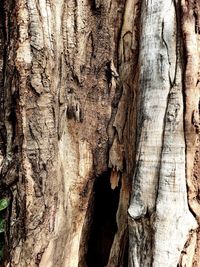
104	225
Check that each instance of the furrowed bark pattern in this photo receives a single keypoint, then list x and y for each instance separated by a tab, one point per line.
92	94
70	83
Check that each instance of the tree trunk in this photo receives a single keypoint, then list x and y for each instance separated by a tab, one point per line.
99	123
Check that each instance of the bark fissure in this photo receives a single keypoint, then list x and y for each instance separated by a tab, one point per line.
91	101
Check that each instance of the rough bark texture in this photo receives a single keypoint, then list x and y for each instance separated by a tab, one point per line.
66	109
98	97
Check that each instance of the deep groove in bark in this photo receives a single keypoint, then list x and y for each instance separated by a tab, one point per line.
104	225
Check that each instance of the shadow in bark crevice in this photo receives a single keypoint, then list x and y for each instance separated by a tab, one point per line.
104	225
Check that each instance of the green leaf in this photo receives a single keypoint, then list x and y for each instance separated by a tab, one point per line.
2	225
4	203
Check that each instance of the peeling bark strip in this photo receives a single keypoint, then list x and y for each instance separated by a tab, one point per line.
94	93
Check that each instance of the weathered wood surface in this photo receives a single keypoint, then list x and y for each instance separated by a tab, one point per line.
100	90
66	110
166	137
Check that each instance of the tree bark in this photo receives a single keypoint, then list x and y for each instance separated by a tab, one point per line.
99	123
